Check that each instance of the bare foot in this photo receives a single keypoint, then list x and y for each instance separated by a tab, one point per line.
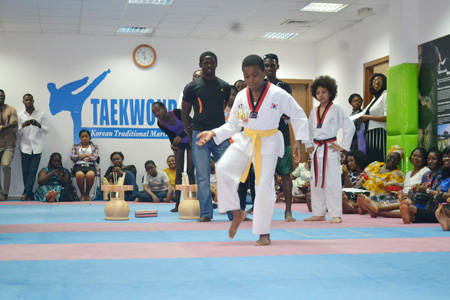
315	218
336	220
247	219
361	209
53	197
442	218
288	217
49	195
405	213
88	198
24	198
264	240
238	217
370	206
83	198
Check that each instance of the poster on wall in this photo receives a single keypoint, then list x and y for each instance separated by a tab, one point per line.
434	93
109	118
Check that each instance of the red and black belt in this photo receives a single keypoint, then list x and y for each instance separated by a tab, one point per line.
320	143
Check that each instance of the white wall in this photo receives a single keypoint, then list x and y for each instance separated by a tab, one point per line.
434	20
30	61
343	55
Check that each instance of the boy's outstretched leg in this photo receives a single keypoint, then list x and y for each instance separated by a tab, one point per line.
238	216
264	240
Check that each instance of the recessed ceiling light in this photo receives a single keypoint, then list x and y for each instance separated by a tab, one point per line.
279	35
135	30
154	2
324	7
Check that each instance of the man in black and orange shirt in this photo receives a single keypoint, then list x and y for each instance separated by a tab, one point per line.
208	96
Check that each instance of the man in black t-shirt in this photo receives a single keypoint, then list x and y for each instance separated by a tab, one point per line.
208	96
284	166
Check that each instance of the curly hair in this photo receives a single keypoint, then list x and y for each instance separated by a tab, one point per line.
325	82
360	158
383	86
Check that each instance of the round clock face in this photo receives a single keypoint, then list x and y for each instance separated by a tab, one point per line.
144	56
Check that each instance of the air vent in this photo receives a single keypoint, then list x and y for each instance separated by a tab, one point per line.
300	23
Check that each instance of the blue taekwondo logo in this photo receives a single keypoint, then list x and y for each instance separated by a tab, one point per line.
106	112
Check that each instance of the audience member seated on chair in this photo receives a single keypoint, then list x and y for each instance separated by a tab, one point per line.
84	156
118	170
381	180
418	159
352	171
157	186
413	214
52	180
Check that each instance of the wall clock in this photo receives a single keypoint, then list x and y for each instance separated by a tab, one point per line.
144	56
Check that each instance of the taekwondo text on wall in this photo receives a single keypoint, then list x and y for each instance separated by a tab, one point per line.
126	118
111	118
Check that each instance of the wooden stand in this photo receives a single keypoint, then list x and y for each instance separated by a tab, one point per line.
117	209
189	208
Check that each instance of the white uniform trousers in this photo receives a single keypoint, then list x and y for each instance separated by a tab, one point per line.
229	170
329	197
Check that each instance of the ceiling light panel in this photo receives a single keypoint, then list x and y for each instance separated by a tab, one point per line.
135	30
279	35
153	2
324	7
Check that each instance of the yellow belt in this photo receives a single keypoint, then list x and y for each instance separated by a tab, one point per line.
256	136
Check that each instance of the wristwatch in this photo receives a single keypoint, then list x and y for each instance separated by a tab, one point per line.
428	191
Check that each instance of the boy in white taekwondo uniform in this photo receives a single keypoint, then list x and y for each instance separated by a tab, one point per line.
324	122
257	109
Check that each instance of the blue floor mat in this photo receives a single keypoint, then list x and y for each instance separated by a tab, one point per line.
402	276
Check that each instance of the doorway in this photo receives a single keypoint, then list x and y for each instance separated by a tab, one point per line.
301	91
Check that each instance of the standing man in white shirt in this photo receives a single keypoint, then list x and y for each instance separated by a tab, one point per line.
32	126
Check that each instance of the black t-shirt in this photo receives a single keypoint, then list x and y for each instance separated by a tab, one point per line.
208	99
283	126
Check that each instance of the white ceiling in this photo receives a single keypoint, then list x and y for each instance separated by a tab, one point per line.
205	19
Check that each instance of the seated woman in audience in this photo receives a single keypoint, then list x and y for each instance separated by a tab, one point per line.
380	179
117	171
418	159
352	171
171	171
84	156
429	214
157	186
421	193
170	123
52	180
